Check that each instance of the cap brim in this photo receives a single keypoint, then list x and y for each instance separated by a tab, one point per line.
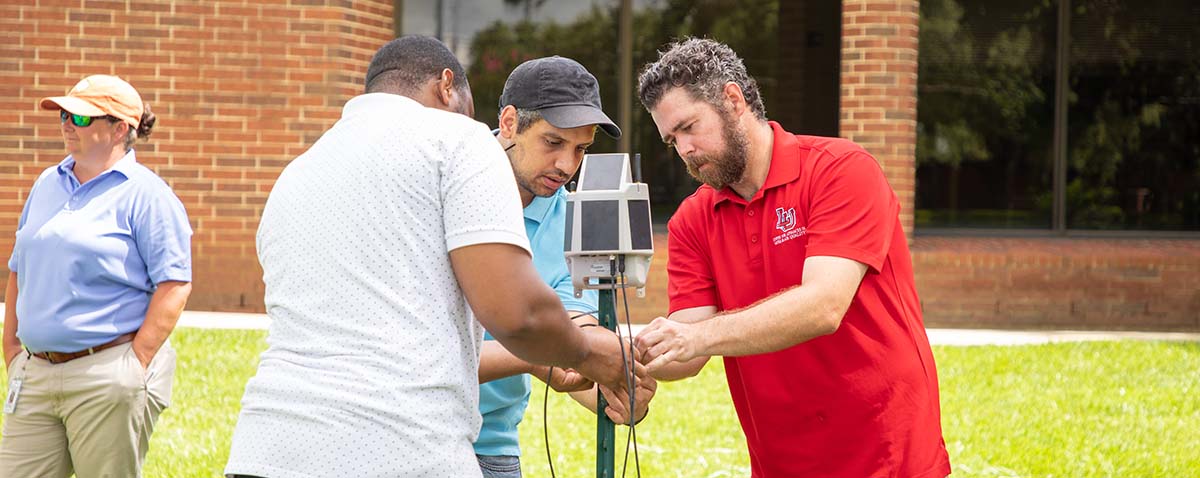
574	116
71	104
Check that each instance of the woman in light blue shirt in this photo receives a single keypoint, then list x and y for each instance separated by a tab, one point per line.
99	274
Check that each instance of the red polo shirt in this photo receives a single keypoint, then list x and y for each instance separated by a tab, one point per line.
862	402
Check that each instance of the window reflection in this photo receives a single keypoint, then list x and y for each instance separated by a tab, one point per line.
1134	135
986	108
985	113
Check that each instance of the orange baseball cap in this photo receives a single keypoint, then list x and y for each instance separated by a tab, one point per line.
100	95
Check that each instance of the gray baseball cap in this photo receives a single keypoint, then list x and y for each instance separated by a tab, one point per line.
560	89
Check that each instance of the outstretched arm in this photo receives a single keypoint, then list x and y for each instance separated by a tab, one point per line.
496	362
812	309
526	316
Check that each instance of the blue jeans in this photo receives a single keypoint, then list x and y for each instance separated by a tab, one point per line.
499	466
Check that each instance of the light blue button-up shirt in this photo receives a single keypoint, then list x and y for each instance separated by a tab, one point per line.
502	402
89	256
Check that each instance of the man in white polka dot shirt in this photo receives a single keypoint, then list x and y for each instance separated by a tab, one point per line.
376	246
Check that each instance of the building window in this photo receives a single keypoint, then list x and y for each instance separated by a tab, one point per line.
1134	120
796	67
985	113
987	104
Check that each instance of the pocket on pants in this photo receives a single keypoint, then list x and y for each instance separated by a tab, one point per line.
500	466
160	375
12	364
132	362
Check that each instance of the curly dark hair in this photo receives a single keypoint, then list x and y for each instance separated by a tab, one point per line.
702	67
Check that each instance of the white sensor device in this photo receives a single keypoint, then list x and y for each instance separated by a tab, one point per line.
608	225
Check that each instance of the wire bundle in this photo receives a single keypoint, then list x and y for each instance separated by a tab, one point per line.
617	268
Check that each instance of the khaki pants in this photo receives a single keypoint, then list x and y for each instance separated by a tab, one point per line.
92	416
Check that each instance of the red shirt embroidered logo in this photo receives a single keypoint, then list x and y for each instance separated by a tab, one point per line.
785	221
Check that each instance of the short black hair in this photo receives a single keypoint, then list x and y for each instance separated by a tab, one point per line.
404	64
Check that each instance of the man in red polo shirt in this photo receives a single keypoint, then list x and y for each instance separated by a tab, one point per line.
790	262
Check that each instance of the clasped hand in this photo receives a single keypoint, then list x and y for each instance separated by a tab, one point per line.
664	341
607	365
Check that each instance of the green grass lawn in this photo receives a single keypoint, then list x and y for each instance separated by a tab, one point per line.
1120	409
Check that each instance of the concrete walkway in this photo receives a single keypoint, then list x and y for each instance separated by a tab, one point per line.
229	320
247	321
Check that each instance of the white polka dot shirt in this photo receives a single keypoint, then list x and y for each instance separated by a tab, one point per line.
372	358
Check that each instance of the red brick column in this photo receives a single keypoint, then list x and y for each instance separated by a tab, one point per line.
879	88
239	88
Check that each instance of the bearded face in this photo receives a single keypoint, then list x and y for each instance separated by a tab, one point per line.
724	167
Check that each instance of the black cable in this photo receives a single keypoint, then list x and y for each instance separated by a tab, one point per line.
545	421
631	435
546	399
581	314
625	464
629	378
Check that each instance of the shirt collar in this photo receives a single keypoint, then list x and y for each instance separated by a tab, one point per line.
538	208
66	167
374	101
125	165
785	166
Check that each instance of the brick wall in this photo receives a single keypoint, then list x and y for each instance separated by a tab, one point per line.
1057	283
240	88
879	88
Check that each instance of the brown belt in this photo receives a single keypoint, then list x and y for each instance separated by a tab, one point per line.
60	357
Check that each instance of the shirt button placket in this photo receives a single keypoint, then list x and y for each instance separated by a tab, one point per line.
752	224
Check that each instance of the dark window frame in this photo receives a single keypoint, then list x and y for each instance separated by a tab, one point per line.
1058	224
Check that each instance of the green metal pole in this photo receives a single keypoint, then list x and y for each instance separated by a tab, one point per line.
605	430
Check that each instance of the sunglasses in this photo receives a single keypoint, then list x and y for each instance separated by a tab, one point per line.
80	120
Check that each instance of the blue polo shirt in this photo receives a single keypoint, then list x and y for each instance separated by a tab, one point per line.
89	256
502	402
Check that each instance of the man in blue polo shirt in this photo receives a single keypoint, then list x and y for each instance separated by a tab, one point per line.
550	109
